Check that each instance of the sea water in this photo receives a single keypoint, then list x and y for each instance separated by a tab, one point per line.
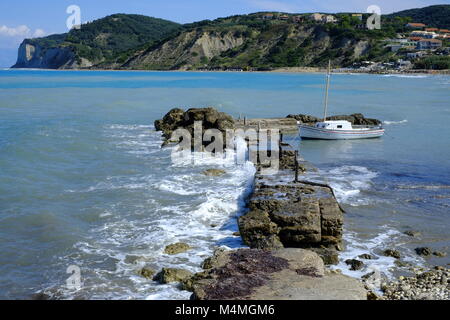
85	183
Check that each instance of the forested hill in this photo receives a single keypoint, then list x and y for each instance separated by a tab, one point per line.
99	41
258	41
433	16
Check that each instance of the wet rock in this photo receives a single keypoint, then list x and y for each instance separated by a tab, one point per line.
258	231
355	264
401	264
214	172
423	251
132	259
147	272
171	121
304	118
292	215
169	275
365	256
373	296
178	118
329	256
177	248
254	274
412	233
220	256
41	296
440	254
236	234
368	275
429	285
392	253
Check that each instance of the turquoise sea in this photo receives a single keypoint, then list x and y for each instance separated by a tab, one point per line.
84	182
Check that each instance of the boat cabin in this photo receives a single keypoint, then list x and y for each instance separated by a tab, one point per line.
335	125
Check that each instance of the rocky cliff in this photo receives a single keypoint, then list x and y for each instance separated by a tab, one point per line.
250	41
191	48
243	46
105	43
33	55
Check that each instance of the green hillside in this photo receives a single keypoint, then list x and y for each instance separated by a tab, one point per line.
248	42
433	16
111	37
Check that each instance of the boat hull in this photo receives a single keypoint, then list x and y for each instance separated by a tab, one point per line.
308	132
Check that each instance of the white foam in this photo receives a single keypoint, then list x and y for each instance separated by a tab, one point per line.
394	122
405	76
183	206
347	182
388	238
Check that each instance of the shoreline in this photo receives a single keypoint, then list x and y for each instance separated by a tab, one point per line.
293	70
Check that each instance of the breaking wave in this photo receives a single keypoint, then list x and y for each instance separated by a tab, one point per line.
395	122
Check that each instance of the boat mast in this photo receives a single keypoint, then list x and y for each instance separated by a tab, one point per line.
326	91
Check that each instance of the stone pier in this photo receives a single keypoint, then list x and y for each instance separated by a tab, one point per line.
286	211
293	227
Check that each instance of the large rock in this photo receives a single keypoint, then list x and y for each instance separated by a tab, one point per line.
423	251
171	121
177	248
392	253
283	274
214	172
354	264
296	215
178	118
355	119
147	272
169	275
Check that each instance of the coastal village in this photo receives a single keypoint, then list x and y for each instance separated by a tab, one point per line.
418	41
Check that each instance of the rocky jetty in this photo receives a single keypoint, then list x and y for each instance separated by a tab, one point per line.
288	213
355	119
285	125
282	274
286	216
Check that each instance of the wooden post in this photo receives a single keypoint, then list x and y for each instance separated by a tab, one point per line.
280	148
296	166
245	120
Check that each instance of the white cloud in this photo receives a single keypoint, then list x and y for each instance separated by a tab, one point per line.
10	38
39	33
21	31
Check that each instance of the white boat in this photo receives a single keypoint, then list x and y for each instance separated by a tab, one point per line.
337	130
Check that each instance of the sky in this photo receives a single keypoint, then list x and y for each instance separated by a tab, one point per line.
20	19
